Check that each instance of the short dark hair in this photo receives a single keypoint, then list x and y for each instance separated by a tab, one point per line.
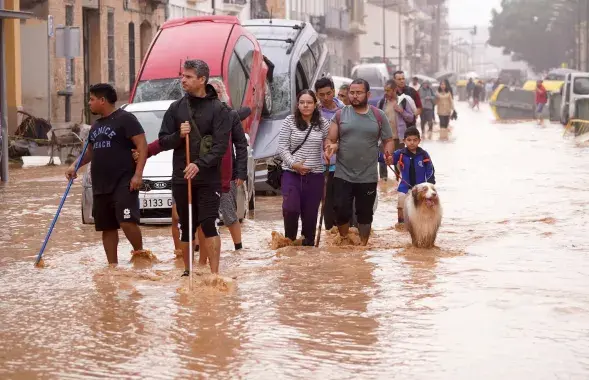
361	81
397	73
344	87
324	82
200	67
104	90
415	78
412	131
391	83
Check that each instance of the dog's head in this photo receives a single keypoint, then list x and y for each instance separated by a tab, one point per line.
425	194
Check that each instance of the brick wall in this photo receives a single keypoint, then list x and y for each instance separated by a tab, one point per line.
138	12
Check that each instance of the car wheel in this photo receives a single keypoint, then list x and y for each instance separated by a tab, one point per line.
267	110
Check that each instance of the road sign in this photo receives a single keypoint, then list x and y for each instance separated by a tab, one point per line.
67	41
50	31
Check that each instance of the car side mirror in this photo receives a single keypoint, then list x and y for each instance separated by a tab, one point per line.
244	113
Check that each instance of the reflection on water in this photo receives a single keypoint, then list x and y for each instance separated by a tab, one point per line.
503	294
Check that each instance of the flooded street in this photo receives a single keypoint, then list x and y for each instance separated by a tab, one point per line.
504	296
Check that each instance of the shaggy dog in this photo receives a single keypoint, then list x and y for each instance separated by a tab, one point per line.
423	215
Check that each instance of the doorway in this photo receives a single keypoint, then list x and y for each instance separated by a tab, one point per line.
146	34
92	57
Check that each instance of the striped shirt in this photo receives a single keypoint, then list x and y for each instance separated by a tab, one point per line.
312	150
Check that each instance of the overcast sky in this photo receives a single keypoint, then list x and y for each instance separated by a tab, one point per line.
471	12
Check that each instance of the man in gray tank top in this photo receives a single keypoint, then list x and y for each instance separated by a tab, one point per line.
354	135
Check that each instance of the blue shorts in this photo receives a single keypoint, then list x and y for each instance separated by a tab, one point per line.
539	107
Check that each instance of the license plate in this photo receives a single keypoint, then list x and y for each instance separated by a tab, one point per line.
147	203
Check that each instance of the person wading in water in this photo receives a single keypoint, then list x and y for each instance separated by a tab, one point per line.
116	179
202	118
328	106
300	146
354	134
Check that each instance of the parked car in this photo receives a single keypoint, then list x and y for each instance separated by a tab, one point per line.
376	74
156	195
298	58
232	53
339	81
576	86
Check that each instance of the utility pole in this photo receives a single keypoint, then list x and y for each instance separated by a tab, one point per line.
384	38
437	39
400	40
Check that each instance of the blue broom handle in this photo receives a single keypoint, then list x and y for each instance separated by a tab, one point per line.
67	190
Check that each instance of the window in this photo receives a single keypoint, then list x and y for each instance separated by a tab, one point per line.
308	63
110	30
131	55
302	83
238	81
581	86
245	51
70	66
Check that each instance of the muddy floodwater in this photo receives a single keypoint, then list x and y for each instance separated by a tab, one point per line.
504	296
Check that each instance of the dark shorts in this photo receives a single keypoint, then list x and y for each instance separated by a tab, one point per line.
427	115
444	121
110	210
539	108
206	200
346	193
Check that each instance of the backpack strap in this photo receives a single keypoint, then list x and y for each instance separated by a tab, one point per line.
378	117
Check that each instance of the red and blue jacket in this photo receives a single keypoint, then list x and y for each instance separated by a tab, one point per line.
414	168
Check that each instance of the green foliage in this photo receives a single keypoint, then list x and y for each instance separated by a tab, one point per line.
524	29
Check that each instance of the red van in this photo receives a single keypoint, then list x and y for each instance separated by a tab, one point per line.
231	52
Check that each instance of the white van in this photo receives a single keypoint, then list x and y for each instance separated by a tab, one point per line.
376	74
576	86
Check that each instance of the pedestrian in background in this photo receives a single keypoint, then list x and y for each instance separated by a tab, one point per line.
445	105
541	100
428	100
328	106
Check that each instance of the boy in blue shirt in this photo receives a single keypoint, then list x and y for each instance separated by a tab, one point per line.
414	166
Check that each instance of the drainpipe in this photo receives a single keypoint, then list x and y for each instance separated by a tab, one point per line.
288	6
213	6
3	104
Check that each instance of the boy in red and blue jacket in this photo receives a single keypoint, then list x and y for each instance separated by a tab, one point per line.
413	166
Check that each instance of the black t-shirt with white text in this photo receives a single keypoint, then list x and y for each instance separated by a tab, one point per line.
112	158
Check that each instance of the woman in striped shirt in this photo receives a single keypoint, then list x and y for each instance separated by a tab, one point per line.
300	146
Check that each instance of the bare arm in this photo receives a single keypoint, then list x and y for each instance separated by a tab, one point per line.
141	147
70	173
332	134
388	146
87	156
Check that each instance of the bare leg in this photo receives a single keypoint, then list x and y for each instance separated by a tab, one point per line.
175	229
133	234
110	242
185	255
203	251
214	251
235	231
343	230
364	231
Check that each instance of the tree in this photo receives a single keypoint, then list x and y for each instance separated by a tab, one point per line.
534	31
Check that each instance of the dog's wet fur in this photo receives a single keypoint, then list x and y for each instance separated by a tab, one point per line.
423	215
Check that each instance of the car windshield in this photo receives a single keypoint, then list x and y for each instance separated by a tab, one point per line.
159	89
151	121
271	39
370	75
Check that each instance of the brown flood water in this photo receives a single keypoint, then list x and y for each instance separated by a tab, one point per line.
505	295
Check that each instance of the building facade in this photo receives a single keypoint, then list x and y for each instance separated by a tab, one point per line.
338	22
190	8
114	37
